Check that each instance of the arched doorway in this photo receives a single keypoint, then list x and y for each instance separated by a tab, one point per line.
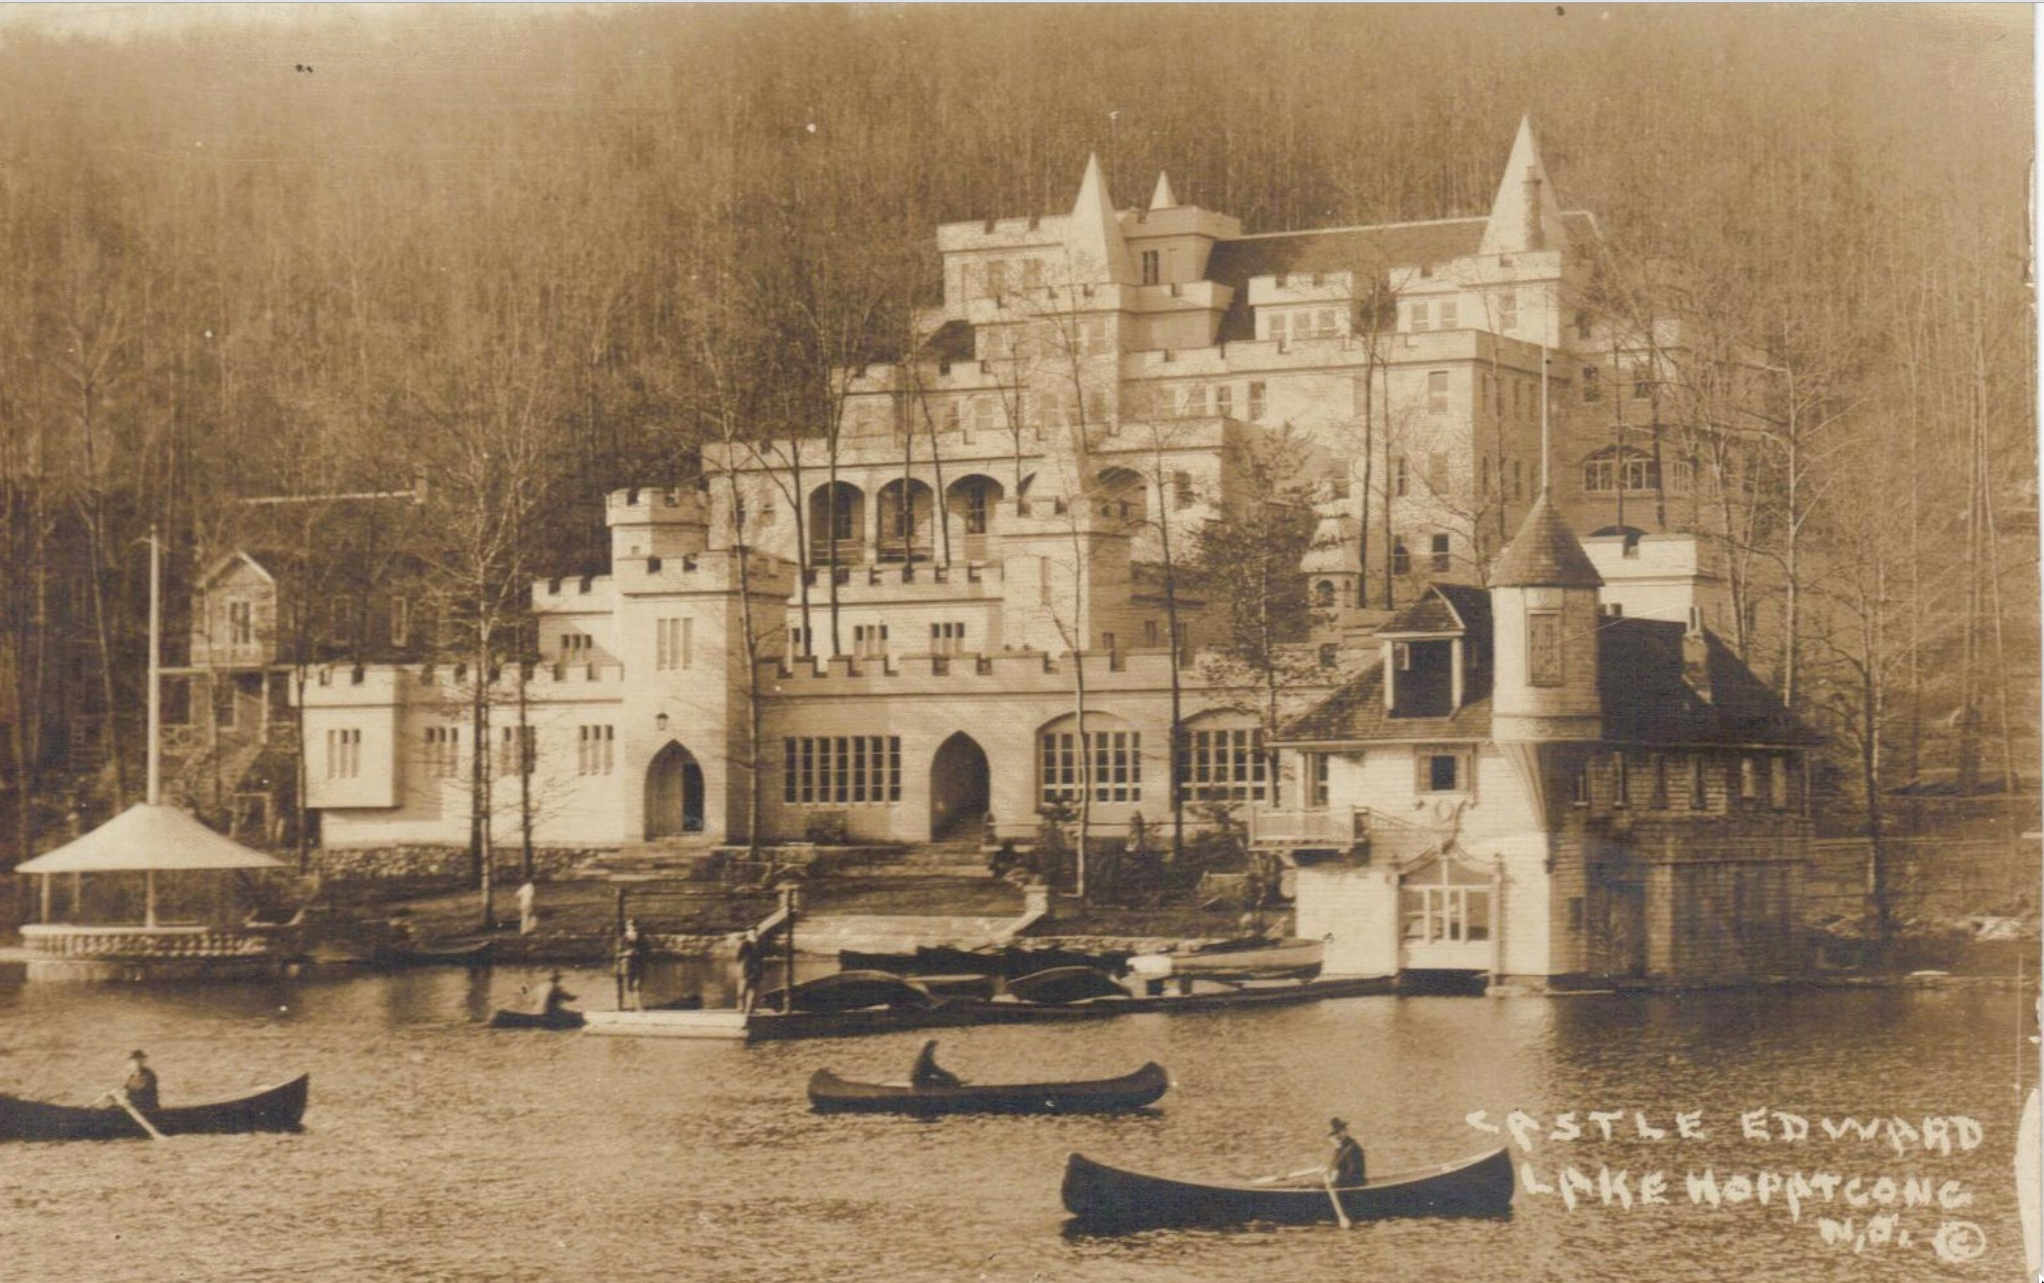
674	793
959	787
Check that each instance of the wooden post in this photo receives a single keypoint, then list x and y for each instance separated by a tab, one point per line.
618	932
149	899
46	897
788	895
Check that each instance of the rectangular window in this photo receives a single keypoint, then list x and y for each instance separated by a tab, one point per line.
443	752
869	641
1442	769
1115	758
1508	310
517	750
1659	800
1778	782
1621	780
575	647
1259	401
1450	318
1543	648
1582	325
240	622
1151	266
674	644
1592	390
1439	552
830	769
343	754
947	639
1401	560
1314	769
400	621
1445	914
976	510
1437	392
1419	318
595	749
1699	784
1749	780
1223	766
1398	477
1642	382
1224	401
223	702
1149	632
1181	488
983	416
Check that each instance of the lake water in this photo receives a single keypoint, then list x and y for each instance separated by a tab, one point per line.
437	1149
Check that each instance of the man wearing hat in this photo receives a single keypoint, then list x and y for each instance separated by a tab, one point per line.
1345	1168
140	1089
553	999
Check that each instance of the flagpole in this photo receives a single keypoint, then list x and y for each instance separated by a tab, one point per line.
154	796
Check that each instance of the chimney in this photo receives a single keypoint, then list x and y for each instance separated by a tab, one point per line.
1696	656
1536	235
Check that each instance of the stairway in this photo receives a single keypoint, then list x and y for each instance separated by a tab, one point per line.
659	858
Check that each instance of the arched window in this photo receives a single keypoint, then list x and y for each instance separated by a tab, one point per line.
1323	594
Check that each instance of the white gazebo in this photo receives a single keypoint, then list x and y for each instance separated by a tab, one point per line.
148	839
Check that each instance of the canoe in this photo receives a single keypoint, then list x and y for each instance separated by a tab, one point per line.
829	1093
849	991
1251	958
274	1109
476	954
504	1019
1100	1196
1059	985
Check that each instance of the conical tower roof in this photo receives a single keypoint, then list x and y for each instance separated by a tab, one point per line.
1544	554
1162	197
1093	237
1526	216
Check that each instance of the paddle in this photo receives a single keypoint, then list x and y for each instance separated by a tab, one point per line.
121	1098
1290	1176
1335	1199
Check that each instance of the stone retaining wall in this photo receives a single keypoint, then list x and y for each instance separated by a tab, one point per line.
443	863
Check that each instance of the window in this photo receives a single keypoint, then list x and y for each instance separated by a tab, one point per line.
343	754
982	416
1621	780
1223	766
953	421
177	700
674	644
1439	552
836	770
1151	266
1592	390
400	621
1442	769
798	641
1508	310
1116	765
947	638
1324	322
1699	786
1330	654
976	510
1224	401
1749	780
576	647
1323	594
1579	791
1259	402
1398	477
517	750
240	622
1778	782
1149	632
1642	382
1543	648
1582	325
1659	798
1419	318
1437	392
443	752
1313	771
223	702
997	278
1615	468
1449	314
1401	560
869	641
1518	479
595	750
1181	488
1445	914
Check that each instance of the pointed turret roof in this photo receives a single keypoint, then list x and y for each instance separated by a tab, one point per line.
1093	237
1162	198
1525	216
1544	554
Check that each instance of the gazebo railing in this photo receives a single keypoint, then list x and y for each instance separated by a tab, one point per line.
66	940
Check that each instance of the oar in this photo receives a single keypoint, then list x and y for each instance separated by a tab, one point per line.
1335	1199
121	1099
1289	1176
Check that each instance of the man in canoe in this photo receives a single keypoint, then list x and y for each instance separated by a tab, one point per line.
928	1073
553	999
1345	1168
140	1089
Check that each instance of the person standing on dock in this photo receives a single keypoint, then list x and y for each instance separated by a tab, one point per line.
631	965
1345	1168
528	908
751	970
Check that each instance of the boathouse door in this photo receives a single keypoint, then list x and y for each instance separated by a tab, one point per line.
960	783
674	793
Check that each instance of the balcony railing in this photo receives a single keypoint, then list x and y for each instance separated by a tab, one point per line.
1337	828
63	940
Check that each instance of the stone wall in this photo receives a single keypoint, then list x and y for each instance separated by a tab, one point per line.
443	863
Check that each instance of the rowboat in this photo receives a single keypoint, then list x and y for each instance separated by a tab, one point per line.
829	1093
1103	1197
849	991
505	1019
274	1109
476	954
1059	985
1248	958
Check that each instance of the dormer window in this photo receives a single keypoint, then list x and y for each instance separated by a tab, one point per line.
240	623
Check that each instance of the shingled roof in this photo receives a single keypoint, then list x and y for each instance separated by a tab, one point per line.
1356	714
1364	250
1544	554
1446	608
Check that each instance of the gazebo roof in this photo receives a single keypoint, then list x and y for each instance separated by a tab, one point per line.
143	838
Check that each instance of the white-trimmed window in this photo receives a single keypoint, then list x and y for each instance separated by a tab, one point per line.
674	643
595	749
1449	318
1314	772
240	622
869	641
1443	768
343	753
1419	318
1224	766
576	647
1259	401
1445	914
947	638
443	752
1115	757
840	770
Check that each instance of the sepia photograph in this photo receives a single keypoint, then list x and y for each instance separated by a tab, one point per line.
1019	643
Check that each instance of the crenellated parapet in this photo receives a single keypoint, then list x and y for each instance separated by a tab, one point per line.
391	685
1019	672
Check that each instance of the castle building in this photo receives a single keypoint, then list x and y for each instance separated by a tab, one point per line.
883	633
